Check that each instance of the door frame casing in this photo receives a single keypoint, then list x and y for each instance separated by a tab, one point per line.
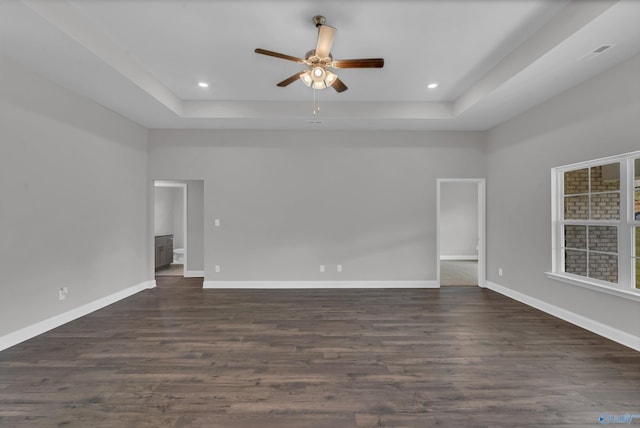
481	188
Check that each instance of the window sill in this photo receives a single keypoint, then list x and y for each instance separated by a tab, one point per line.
596	285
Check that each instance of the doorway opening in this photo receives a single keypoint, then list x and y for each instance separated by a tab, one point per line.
461	232
178	225
170	228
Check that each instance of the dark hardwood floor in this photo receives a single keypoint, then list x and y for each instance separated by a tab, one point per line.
180	356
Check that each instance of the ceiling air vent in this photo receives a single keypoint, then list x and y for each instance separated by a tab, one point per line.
601	49
594	53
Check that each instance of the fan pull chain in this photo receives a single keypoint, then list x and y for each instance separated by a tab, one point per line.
316	103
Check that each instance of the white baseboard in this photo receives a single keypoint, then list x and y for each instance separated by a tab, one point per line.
193	273
38	328
318	284
596	327
471	257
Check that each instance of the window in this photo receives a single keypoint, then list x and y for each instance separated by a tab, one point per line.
596	224
591	204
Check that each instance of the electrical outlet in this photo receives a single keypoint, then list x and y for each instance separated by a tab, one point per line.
62	293
216	222
339	268
321	268
217	268
499	271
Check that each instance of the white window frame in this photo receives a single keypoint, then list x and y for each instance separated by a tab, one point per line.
626	224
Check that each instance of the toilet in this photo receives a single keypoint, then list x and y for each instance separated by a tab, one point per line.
178	256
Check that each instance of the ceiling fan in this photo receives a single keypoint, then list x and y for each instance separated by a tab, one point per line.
320	61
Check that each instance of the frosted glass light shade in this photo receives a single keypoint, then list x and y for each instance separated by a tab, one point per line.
318	78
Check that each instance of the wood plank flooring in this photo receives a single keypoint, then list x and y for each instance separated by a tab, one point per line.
180	356
174	269
458	273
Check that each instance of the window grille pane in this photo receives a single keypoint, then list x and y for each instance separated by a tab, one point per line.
576	208
637	273
636	205
605	178
603	238
576	181
575	237
575	262
603	267
605	206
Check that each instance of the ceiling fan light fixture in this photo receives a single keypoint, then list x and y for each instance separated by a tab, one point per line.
306	77
319	60
331	78
318	78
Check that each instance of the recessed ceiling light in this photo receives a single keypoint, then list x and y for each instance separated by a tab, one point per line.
432	85
203	84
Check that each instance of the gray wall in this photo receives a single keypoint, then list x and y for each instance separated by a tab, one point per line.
290	201
74	207
169	213
598	118
195	225
178	217
164	211
458	219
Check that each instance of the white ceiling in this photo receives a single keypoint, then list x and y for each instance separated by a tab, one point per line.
493	59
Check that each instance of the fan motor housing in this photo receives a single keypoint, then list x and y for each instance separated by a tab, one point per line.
316	60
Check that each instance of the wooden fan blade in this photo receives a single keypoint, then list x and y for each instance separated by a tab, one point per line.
279	55
339	85
290	80
326	34
359	63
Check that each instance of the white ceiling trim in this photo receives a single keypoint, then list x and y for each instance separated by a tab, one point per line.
71	22
569	21
63	16
467	111
330	109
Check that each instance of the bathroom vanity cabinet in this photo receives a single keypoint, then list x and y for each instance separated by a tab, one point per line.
164	251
